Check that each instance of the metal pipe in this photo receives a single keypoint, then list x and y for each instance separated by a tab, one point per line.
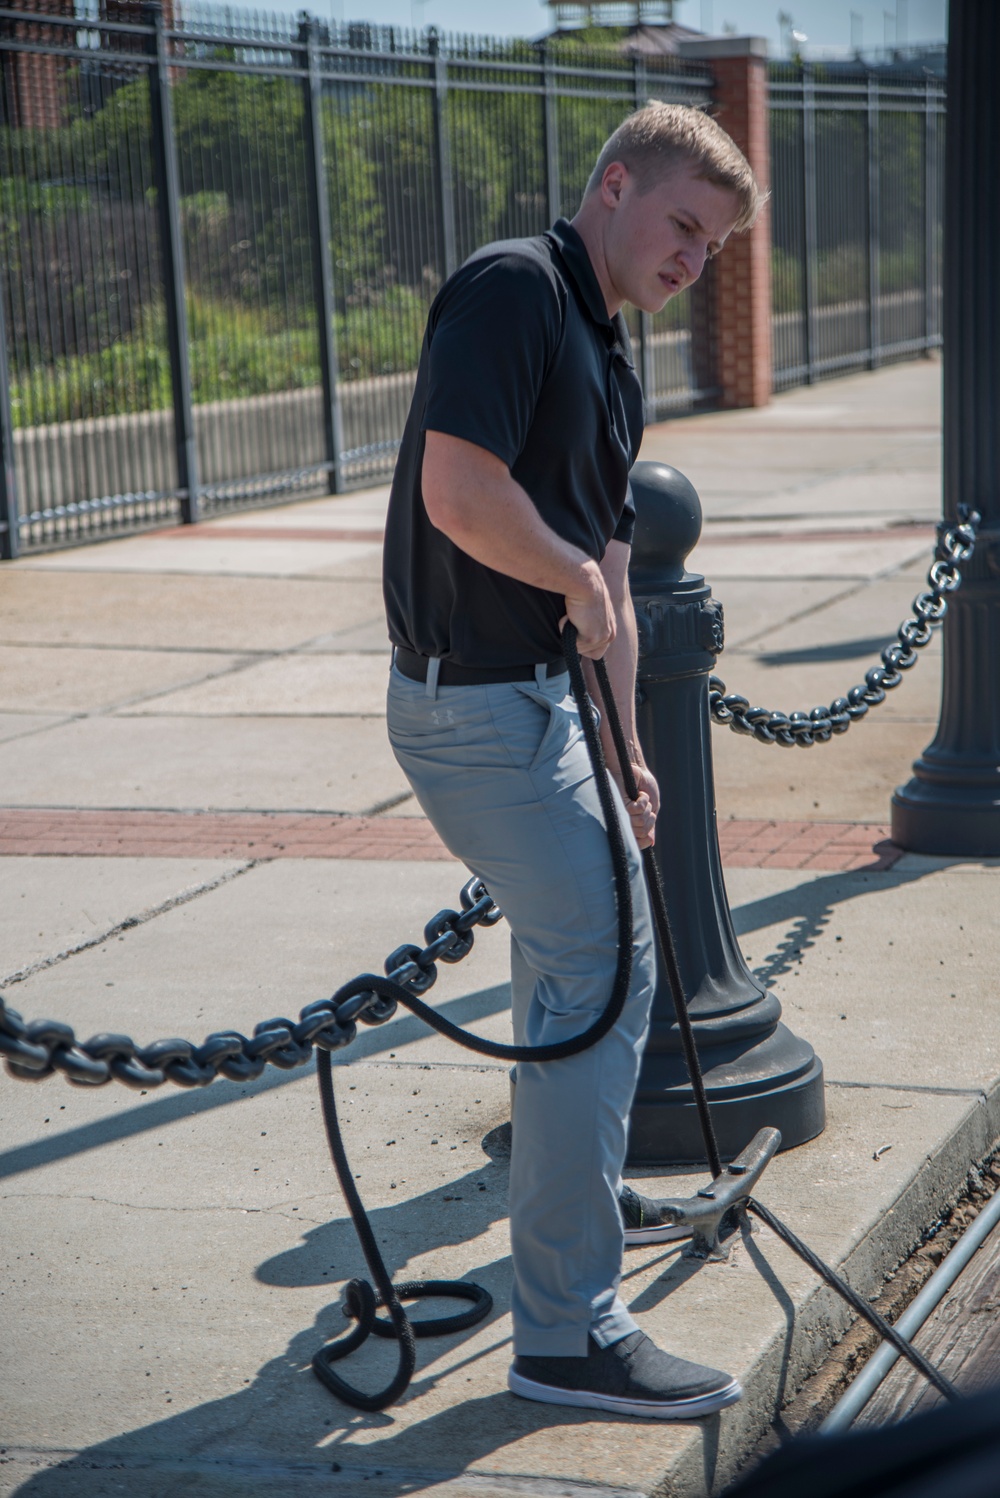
875	1370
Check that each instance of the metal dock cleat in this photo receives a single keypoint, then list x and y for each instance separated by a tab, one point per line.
706	1212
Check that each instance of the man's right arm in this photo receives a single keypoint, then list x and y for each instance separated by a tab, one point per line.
471	497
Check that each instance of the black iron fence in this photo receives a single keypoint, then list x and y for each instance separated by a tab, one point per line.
219	238
857	177
220	235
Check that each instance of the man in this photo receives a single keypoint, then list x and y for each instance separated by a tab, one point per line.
511	513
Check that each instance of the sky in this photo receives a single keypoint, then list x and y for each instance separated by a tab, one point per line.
840	24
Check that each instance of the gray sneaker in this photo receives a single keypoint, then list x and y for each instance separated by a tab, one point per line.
643	1221
631	1377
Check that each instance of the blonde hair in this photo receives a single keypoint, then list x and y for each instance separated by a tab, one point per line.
658	138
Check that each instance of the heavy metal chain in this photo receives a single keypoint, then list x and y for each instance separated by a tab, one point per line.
954	547
33	1050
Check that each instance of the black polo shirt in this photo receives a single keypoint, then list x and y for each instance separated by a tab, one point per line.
521	358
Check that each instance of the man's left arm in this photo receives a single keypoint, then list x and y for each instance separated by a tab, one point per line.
621	660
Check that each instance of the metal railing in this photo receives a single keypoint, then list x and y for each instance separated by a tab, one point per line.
220	235
857	172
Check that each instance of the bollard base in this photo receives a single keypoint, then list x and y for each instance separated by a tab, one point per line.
948	820
665	1130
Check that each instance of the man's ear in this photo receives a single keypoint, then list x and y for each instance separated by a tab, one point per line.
613	182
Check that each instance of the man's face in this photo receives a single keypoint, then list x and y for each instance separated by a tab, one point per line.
656	242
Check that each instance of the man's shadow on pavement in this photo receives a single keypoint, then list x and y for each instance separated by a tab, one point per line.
284	1432
284	1429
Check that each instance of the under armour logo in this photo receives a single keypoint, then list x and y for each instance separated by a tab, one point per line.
442	716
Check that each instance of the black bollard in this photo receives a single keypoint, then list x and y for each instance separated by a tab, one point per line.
952	803
757	1072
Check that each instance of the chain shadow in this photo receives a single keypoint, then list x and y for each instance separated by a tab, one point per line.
457	1211
465	1009
807	909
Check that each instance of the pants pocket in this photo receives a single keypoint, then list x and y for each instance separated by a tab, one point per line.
558	730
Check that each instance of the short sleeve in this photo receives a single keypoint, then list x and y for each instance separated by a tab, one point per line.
494	330
625	528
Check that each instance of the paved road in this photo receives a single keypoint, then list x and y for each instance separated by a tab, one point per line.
202	826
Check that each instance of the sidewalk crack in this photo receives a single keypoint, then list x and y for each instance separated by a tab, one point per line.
184	897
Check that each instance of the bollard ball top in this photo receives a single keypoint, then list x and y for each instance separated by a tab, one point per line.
667	520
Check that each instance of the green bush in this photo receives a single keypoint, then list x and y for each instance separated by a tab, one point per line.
233	354
786	281
381	335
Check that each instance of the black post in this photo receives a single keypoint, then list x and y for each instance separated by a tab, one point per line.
810	228
166	180
756	1071
9	534
930	209
874	248
319	232
550	105
442	143
952	804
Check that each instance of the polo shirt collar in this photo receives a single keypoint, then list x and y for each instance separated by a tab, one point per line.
578	263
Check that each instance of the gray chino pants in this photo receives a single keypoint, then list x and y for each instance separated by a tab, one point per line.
502	772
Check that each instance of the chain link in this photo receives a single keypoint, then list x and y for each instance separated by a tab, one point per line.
954	547
33	1050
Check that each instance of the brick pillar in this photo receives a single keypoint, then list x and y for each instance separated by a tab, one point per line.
36	82
741	291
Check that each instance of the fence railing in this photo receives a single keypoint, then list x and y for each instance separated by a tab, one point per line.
219	238
857	179
220	235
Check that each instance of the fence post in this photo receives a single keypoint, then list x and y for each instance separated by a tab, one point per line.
874	267
166	180
319	230
550	106
9	536
930	208
442	141
809	227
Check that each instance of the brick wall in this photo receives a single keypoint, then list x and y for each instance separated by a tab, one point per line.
34	85
741	277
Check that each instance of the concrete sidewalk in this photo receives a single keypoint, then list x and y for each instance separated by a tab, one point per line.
202	826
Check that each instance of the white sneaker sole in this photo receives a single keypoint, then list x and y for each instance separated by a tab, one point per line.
613	1404
635	1237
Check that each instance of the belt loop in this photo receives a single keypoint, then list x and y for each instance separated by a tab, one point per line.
433	669
541	676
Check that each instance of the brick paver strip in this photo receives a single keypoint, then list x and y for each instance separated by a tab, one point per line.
226	531
79	833
270	533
